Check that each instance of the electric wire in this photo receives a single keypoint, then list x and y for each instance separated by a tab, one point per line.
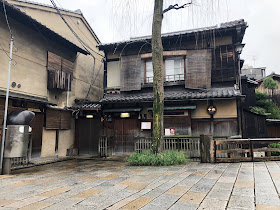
8	55
70	18
75	34
10	30
84	45
6	17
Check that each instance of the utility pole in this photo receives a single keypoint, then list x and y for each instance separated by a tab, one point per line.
6	105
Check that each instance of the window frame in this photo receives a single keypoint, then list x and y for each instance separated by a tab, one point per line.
148	59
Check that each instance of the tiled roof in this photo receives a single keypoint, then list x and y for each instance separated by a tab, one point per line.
221	26
87	106
225	92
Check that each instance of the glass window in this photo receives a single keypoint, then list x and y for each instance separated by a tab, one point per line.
174	69
149	72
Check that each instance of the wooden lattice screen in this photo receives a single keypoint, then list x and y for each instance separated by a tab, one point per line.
60	72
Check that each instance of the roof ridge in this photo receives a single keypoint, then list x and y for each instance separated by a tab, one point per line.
224	25
77	11
41	25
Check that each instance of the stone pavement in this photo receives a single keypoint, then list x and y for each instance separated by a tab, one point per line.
111	184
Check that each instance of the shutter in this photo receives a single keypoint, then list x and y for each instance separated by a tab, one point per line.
65	120
130	73
67	66
198	74
52	119
54	62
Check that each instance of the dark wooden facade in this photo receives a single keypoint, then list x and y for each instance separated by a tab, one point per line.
60	72
210	62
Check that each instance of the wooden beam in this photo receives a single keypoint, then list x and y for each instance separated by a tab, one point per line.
166	53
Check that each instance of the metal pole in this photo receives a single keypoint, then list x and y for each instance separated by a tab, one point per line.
6	105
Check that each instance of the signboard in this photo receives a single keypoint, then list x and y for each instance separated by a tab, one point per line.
146	125
169	132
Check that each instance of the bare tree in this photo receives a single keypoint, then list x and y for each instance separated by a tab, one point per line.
157	56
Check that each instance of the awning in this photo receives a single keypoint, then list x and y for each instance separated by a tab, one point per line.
123	110
172	108
13	95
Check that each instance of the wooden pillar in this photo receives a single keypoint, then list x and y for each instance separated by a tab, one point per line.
240	118
207	149
211	121
189	119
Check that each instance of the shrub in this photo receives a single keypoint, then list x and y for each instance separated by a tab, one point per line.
148	158
257	110
274	145
264	104
261	96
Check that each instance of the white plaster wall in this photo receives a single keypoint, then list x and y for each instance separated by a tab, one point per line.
66	139
48	143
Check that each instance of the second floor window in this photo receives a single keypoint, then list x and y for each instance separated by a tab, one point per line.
175	68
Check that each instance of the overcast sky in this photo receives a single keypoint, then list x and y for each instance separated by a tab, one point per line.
115	20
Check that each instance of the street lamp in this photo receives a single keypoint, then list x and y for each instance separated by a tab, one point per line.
238	49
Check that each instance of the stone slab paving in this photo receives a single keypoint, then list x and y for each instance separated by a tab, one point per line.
111	184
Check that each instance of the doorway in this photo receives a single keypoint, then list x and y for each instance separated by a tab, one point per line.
124	132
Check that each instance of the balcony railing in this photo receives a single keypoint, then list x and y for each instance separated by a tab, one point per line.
167	78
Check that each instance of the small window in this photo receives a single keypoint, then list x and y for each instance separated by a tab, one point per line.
149	72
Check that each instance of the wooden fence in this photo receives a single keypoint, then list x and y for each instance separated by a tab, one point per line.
237	150
104	146
191	145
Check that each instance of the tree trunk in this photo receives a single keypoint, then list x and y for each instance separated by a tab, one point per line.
158	79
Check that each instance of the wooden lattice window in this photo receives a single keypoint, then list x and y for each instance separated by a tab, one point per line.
60	72
58	119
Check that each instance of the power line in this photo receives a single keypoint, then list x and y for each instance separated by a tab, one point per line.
75	34
83	44
75	24
6	17
7	54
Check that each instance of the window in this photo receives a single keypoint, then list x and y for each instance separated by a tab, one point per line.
174	69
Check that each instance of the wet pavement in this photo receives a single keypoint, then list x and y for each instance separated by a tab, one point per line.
111	184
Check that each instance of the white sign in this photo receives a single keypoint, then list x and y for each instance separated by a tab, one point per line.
146	125
167	132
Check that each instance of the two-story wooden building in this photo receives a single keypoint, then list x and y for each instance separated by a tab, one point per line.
87	82
201	76
50	70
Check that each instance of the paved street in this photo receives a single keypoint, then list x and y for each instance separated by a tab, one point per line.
99	184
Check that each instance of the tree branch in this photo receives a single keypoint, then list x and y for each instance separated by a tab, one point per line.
176	6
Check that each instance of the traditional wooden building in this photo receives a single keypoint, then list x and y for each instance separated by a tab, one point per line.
201	84
50	72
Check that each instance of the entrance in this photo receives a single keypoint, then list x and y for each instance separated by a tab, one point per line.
89	132
124	132
37	132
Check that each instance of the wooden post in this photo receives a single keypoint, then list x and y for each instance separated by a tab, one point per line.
189	119
251	149
6	166
207	149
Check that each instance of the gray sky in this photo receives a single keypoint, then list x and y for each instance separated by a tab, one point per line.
116	20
